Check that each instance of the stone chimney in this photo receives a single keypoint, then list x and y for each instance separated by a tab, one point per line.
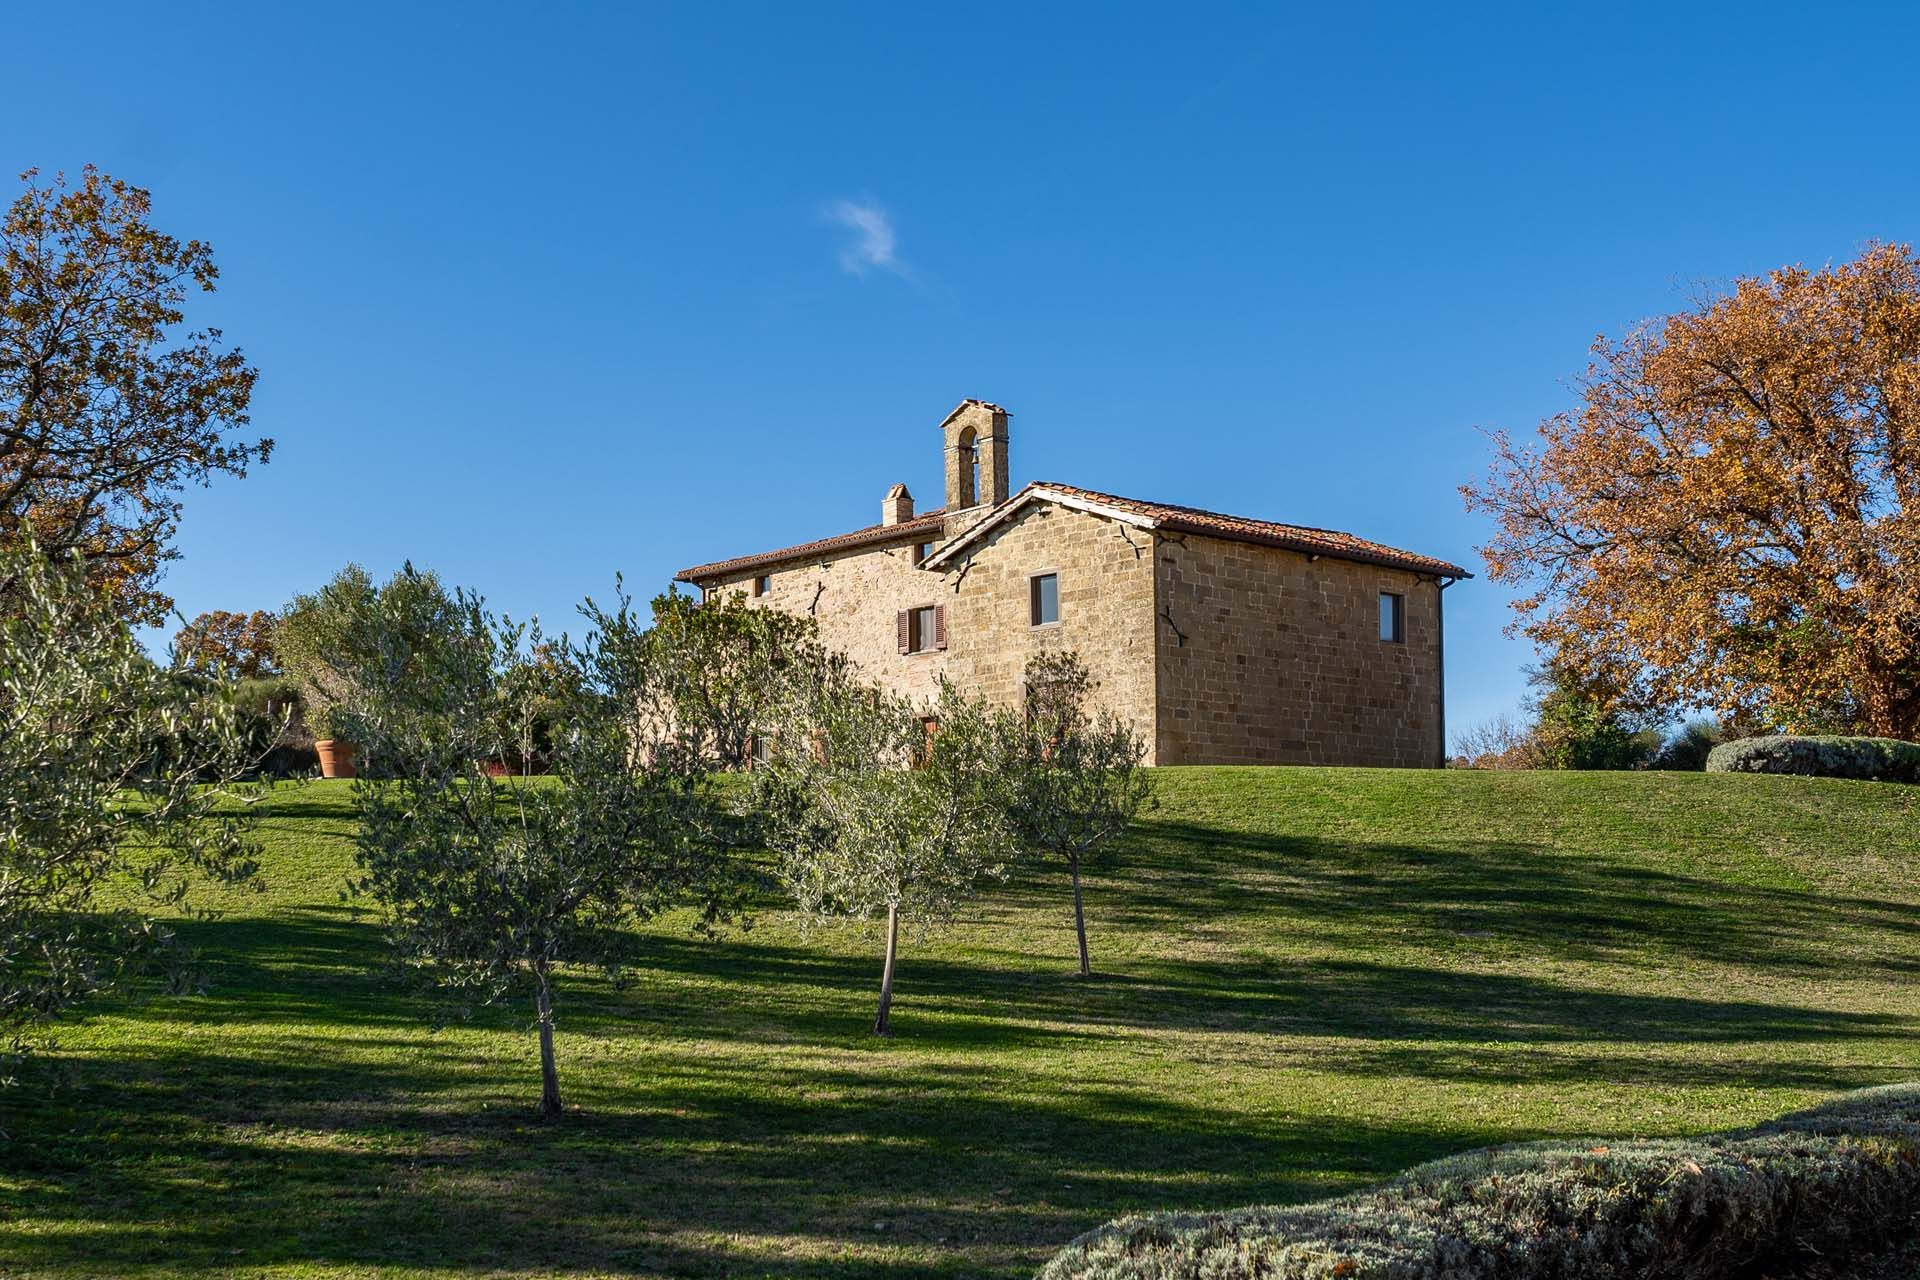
897	506
976	455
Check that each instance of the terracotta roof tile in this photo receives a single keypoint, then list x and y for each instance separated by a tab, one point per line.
927	522
1327	542
1162	515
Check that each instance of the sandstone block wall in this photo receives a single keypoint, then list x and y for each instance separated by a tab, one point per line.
1106	609
1282	661
856	596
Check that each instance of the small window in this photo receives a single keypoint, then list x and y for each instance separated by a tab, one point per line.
921	550
763	584
1043	597
1393	617
920	628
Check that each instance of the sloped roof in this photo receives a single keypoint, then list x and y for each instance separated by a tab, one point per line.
1170	518
923	527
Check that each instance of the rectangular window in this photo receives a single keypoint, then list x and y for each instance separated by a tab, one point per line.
763	584
920	629
1043	598
1393	617
921	550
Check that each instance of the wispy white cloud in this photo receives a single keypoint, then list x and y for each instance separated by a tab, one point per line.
874	242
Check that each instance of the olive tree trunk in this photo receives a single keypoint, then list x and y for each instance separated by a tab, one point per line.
881	1026
549	1073
1080	920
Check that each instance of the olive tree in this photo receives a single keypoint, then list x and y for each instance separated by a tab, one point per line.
490	885
717	668
114	775
353	635
1073	777
881	807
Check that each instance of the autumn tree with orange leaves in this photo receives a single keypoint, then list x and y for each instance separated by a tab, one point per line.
1732	518
108	408
239	644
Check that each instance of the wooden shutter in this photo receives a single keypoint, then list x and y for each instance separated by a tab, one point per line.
939	626
902	624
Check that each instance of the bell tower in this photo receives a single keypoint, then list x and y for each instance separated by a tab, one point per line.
976	441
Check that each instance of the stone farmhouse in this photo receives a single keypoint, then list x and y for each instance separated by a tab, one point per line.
1225	640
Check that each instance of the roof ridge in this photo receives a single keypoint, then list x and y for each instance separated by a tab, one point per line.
862	536
1309	540
1199	511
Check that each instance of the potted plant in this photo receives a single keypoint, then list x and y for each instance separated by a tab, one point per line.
330	742
318	639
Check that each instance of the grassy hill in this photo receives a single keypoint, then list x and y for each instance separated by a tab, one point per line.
1308	980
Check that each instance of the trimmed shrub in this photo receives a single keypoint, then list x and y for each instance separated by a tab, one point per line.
1838	1183
1875	759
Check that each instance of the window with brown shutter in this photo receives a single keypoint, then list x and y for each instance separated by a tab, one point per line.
923	629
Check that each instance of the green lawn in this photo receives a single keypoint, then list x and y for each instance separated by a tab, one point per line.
1309	979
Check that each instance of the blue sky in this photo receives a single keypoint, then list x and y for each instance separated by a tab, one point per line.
544	292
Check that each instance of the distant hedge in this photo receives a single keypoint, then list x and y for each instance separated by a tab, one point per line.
1875	759
1812	1194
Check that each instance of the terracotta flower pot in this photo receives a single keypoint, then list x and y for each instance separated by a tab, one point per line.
336	758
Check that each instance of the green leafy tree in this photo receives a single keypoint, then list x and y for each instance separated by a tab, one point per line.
1073	777
105	761
1578	726
489	886
108	408
718	668
880	807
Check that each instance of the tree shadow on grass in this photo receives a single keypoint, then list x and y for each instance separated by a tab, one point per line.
705	1168
1495	891
310	1120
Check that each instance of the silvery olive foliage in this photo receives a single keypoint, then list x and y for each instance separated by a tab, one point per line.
1073	775
716	668
1817	1193
354	634
116	778
490	884
882	807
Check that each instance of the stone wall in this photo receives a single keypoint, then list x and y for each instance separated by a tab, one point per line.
1282	661
856	596
1106	609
